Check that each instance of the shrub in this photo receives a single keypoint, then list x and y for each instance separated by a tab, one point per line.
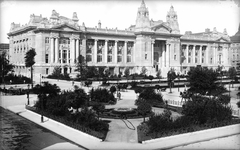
150	96
203	109
101	95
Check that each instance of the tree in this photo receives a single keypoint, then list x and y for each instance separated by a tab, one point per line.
171	75
5	66
150	78
81	67
232	73
113	89
127	73
99	108
143	109
29	61
144	70
56	72
202	81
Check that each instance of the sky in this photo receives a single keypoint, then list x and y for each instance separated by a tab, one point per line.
193	15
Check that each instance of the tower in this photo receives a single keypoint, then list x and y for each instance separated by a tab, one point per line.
142	21
172	20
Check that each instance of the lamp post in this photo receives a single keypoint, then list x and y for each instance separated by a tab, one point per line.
178	81
28	94
42	98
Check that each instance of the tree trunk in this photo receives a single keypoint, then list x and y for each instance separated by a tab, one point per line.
32	76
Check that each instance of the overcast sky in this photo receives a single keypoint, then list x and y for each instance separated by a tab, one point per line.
193	15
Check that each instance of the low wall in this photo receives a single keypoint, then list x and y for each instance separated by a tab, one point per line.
194	137
79	133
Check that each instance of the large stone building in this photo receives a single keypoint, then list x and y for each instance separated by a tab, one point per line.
235	50
155	45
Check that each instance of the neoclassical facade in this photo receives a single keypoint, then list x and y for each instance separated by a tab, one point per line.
155	45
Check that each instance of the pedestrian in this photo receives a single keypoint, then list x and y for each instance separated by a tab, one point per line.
72	83
119	95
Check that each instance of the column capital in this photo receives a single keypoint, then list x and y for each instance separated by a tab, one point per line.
116	41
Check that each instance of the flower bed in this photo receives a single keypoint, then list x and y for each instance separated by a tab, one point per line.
143	135
63	120
120	113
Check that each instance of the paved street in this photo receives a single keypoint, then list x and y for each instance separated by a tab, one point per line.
20	133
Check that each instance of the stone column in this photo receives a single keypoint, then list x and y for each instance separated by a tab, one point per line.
133	52
106	51
187	46
163	56
95	51
200	54
125	52
115	51
152	50
61	57
52	50
206	55
167	54
67	57
194	54
77	50
56	50
72	47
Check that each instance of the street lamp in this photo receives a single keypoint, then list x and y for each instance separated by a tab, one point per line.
28	94
178	81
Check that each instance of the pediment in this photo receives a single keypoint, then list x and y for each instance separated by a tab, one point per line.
162	28
221	39
66	27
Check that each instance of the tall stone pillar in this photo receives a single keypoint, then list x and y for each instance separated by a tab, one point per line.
134	52
125	52
72	49
163	56
200	54
167	54
56	51
206	54
152	50
67	56
194	53
52	49
77	50
95	51
105	51
187	46
61	56
115	51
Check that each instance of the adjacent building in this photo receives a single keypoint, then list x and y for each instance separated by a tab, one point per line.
155	45
235	50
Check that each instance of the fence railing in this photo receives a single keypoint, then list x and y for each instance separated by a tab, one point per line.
235	112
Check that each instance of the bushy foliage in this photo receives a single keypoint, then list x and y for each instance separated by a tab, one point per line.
144	108
5	66
203	109
101	95
150	96
16	79
56	74
202	80
113	89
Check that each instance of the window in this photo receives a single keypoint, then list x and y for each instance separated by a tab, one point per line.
89	58
129	58
119	58
175	57
46	58
99	58
109	58
47	70
211	60
46	39
145	56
